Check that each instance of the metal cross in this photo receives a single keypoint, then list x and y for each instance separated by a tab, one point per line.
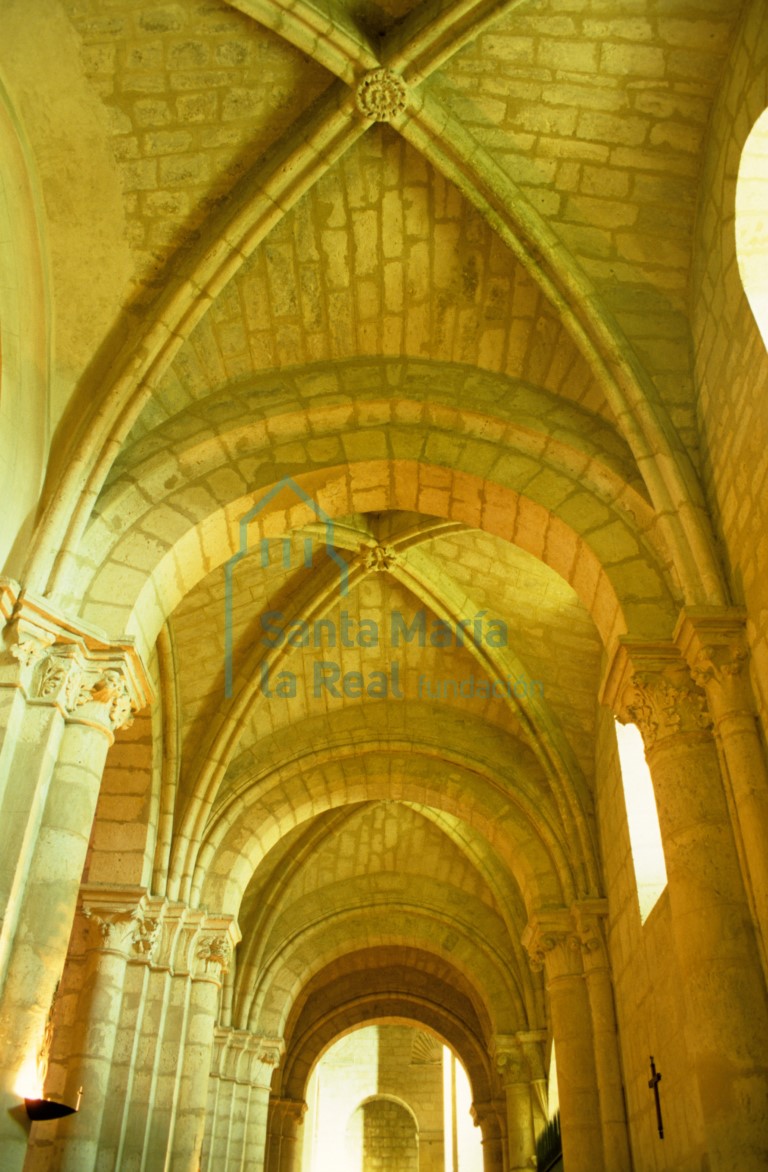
653	1083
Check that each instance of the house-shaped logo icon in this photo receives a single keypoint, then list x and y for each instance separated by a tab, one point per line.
286	483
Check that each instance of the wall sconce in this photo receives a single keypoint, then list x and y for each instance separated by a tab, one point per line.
41	1109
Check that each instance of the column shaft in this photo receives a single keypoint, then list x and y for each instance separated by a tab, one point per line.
193	1092
714	644
102	994
726	1010
45	916
520	1141
256	1130
113	929
285	1117
31	742
211	949
64	693
576	1075
167	1060
610	1086
488	1117
554	945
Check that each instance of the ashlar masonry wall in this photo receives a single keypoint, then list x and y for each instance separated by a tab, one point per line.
647	990
376	1100
731	358
390	1139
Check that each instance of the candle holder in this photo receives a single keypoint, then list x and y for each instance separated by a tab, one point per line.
42	1109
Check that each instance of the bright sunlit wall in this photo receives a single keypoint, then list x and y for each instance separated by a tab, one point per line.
463	1145
642	818
358	1071
752	222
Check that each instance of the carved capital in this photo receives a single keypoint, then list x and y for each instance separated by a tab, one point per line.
286	1115
112	691
112	931
532	1043
663	705
719	664
103	693
269	1051
213	951
120	920
224	1042
650	685
590	916
70	666
214	943
25	634
25	644
381	95
66	678
60	678
243	1057
488	1116
713	640
553	945
146	938
511	1061
264	1055
28	649
173	943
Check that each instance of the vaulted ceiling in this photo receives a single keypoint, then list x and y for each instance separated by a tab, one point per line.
430	262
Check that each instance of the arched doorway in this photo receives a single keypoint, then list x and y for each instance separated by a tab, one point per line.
389	1096
385	1134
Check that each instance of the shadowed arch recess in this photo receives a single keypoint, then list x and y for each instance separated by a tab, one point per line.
404	986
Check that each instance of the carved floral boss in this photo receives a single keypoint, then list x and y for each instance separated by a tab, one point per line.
381	95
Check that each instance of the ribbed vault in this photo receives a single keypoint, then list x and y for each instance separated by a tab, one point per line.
413	48
381	436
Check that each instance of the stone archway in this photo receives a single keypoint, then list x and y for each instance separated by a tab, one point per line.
389	1134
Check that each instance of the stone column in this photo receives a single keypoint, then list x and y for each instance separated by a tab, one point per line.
554	946
241	1095
515	1074
162	1026
70	691
714	643
533	1043
726	1010
488	1117
590	916
212	946
116	929
218	1123
264	1054
285	1117
31	739
241	1072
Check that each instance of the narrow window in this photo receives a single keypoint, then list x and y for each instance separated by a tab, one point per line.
752	221
462	1141
642	818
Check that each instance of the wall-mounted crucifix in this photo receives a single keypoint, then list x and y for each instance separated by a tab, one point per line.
653	1083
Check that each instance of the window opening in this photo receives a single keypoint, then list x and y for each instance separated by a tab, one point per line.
752	222
642	819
